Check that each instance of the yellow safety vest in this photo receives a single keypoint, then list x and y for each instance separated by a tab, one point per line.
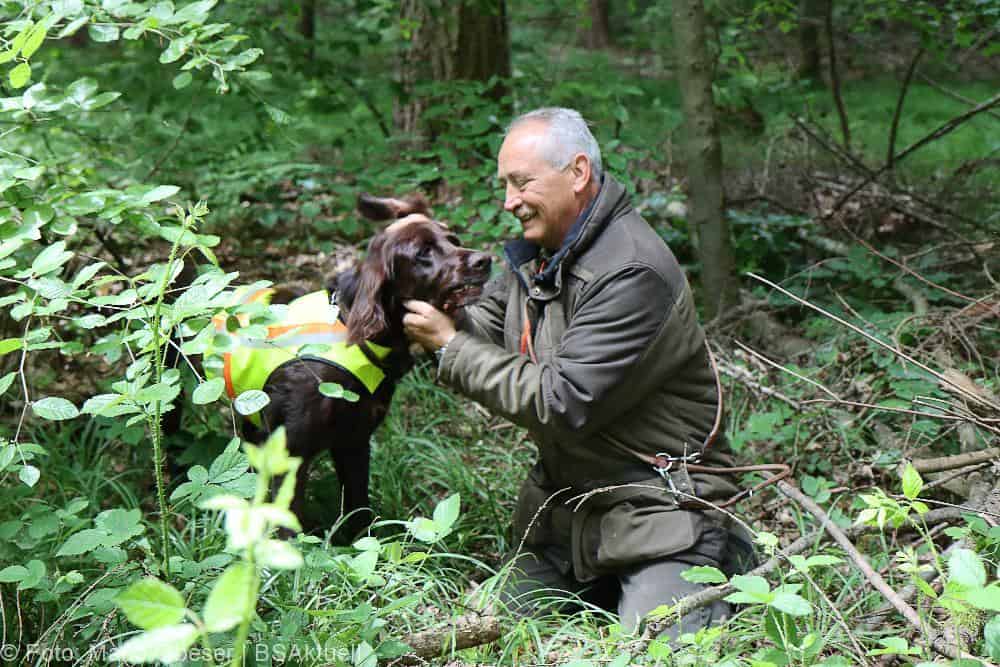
310	320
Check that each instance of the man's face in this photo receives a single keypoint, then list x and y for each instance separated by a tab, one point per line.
543	198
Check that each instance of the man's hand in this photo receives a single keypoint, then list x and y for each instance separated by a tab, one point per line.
427	326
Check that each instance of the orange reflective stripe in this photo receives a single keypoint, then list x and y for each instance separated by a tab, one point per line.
274	332
227	374
250	298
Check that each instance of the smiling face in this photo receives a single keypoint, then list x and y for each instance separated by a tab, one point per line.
546	199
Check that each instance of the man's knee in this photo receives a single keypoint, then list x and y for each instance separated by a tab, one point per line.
652	585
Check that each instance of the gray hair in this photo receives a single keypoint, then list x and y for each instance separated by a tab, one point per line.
567	136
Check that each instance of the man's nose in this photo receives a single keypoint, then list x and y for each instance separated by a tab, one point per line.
512	199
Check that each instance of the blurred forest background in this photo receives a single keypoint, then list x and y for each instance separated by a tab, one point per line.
825	170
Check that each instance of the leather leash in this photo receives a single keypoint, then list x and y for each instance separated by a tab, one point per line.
663	463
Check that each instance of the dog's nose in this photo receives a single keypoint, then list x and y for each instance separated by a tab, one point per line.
480	261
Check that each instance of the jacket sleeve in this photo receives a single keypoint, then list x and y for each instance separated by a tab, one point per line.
485	318
615	347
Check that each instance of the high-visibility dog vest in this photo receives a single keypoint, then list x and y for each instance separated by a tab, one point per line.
246	362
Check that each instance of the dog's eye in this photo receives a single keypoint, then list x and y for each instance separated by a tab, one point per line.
424	252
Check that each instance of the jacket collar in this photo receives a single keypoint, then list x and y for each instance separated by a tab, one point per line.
598	214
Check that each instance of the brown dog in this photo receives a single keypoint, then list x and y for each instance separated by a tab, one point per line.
417	258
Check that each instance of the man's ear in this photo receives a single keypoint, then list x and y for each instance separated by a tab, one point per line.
582	172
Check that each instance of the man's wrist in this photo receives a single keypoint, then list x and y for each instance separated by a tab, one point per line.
439	353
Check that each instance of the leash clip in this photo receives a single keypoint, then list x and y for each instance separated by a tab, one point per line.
664	463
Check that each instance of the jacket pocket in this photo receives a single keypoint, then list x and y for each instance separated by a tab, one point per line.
631	534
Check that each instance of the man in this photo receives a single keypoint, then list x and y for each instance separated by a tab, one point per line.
591	342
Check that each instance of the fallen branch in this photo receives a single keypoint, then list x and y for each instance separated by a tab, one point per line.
939	643
958	461
709	595
463	632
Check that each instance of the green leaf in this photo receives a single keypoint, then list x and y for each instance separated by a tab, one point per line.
29	474
196	12
446	513
36	572
50	259
109	405
277	555
423	529
151	603
208	391
54	408
183	80
101	100
753	585
120	524
245	58
393	648
38	215
160	192
912	483
82	542
167	644
984	598
176	49
703	574
102	33
250	402
9	575
10	344
334	390
792	604
6	381
966	568
73	27
20	75
35	39
231	599
365	656
991	637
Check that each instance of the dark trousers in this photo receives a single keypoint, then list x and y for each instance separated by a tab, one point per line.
537	585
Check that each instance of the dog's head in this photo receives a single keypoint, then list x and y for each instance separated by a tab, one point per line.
415	257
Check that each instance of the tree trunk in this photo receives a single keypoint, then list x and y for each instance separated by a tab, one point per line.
426	57
811	13
598	36
466	40
307	28
704	158
483	49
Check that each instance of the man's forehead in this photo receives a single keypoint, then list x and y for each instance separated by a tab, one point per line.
521	151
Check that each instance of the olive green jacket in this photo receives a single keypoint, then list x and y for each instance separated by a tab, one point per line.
621	369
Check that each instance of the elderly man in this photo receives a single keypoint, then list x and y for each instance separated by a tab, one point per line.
591	342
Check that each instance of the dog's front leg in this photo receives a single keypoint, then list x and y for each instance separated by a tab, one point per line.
352	464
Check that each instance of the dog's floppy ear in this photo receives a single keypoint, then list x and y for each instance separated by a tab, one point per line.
389	208
367	314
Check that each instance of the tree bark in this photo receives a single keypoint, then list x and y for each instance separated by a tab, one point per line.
426	57
598	34
307	28
466	40
483	49
704	158
811	14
